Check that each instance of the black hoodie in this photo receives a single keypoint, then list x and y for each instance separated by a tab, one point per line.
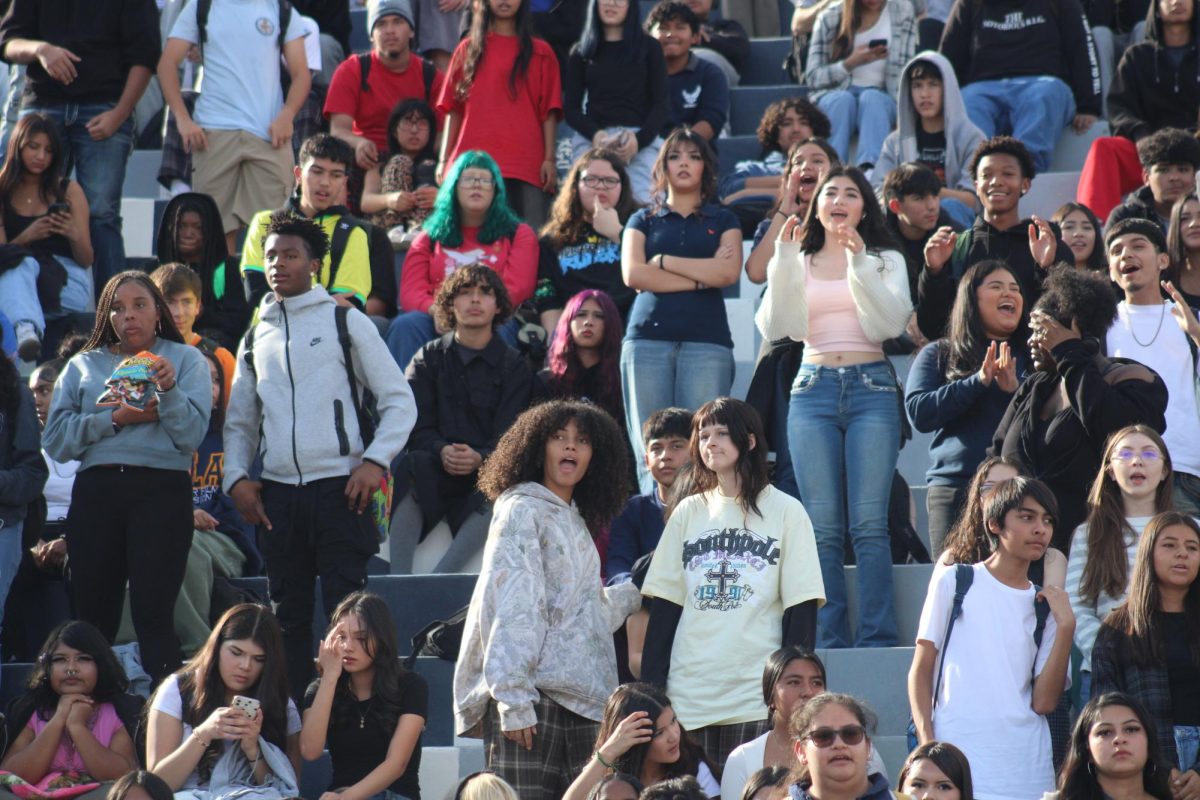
1148	92
994	39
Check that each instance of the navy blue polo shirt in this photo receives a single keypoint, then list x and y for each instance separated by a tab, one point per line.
695	316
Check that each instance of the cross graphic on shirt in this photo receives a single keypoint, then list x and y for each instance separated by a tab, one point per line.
723	576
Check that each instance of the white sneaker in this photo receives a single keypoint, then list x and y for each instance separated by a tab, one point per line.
29	344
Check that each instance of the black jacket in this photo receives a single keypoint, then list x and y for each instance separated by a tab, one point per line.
1138	205
993	39
1148	92
23	471
727	37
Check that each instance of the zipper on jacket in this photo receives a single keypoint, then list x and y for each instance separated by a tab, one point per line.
287	356
339	424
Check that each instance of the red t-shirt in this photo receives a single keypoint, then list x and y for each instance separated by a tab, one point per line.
428	264
509	129
370	110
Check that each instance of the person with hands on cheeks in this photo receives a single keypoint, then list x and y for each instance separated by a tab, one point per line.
70	731
1144	647
192	722
1002	171
130	515
985	682
641	736
314	489
366	707
838	284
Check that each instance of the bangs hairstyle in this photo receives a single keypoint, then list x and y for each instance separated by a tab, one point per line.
481	22
566	370
412	107
773	117
444	224
802	721
375	621
946	757
965	345
633	38
50	189
176	278
909	179
86	638
201	685
286	223
469	277
872	227
675	140
1176	249
1137	617
778	662
104	334
744	424
568	218
1086	298
520	457
667	423
923	68
328	147
630	698
1009	495
968	542
212	247
1097	261
1106	569
1078	780
1003	145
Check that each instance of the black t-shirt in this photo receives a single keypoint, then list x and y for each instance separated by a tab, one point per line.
358	738
1182	671
931	151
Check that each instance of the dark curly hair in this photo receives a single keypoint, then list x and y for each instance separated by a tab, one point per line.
772	119
469	277
286	223
1004	145
520	457
1169	146
1085	297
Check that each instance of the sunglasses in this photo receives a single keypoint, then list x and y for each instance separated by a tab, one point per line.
823	737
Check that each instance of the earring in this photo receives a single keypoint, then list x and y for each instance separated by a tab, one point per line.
1091	768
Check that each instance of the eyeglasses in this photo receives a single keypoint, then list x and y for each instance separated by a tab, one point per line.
1125	454
415	124
475	181
615	2
595	182
823	737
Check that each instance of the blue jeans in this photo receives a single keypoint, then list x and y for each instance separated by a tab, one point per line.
657	374
870	111
410	330
10	557
1187	745
100	170
844	433
1034	110
18	292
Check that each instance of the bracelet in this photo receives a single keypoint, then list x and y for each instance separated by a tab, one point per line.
780	213
662	261
199	739
603	763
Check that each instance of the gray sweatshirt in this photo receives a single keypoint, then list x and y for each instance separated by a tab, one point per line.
295	406
79	430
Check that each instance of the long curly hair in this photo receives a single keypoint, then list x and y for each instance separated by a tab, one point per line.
111	682
520	457
50	183
743	423
568	218
481	23
630	698
872	226
1078	780
563	358
967	542
444	224
1107	567
104	334
772	121
966	343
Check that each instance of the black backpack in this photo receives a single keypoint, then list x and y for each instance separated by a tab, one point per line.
428	73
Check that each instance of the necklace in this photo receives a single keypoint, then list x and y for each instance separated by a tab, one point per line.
362	715
1162	314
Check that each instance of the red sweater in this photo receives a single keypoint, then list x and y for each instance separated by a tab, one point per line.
428	263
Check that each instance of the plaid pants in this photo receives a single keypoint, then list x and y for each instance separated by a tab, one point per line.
719	741
561	748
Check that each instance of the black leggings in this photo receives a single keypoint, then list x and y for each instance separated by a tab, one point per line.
135	524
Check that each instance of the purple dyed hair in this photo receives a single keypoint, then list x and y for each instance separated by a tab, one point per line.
563	360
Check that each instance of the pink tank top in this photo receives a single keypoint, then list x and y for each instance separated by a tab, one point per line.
833	324
103	724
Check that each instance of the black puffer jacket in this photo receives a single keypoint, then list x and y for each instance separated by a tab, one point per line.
1148	92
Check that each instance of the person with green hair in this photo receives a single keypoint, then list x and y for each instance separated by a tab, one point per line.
471	223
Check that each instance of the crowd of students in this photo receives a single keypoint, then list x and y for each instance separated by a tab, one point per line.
356	335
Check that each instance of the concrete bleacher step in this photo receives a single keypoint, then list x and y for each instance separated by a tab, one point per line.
1072	148
732	149
909	585
892	749
877	675
1048	192
764	65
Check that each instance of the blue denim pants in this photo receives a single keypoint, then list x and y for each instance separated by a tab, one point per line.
410	330
870	111
100	170
18	292
844	434
1033	109
657	374
1187	745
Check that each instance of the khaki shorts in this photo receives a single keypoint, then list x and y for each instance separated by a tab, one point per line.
243	174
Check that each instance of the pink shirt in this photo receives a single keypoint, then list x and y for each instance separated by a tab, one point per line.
104	724
833	324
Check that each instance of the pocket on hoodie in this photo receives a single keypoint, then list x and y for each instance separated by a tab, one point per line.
339	424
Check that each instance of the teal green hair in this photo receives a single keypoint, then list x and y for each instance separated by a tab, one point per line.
444	225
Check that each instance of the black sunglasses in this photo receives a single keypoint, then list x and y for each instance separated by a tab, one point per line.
850	734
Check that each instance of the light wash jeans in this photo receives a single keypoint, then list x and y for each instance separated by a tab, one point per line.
18	292
638	170
1187	745
1034	109
844	434
870	111
657	374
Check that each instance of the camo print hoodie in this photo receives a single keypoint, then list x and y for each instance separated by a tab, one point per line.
540	620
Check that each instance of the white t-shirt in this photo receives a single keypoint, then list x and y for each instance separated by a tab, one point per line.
1167	353
706	780
734	575
747	759
57	490
240	90
986	701
168	700
875	73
